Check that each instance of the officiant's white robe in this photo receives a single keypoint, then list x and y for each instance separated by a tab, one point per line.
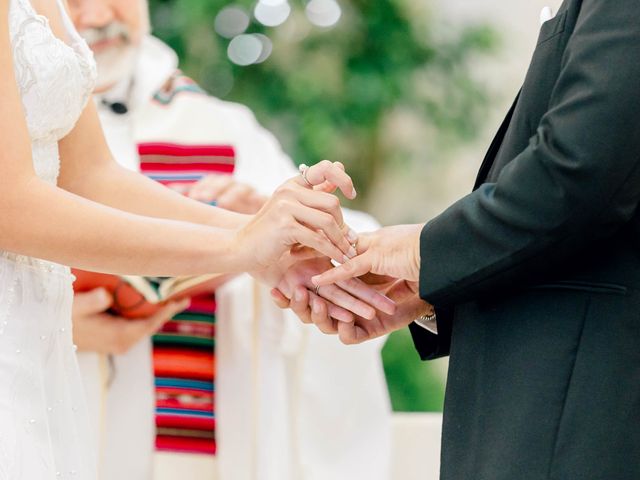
291	403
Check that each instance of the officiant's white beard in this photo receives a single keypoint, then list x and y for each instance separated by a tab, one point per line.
116	62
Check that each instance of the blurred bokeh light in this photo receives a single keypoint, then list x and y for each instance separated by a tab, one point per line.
272	13
245	49
323	13
231	21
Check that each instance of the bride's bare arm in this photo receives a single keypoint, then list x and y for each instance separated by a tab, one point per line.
88	169
45	221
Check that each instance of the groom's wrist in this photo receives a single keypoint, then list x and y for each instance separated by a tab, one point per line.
415	254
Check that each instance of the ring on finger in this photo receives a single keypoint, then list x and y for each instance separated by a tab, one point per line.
303	172
354	245
317	290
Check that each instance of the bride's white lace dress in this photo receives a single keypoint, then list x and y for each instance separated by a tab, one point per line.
42	413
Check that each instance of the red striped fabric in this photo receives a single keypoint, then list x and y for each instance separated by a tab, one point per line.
203	303
189	328
186	422
165	443
185	417
185	167
183	363
181	150
192	396
178	403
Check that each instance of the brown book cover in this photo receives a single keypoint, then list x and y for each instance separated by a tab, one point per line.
139	297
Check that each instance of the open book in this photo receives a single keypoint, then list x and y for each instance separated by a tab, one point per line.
139	297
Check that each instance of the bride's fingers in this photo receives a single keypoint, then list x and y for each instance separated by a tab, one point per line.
368	295
343	299
300	304
339	314
330	204
312	309
353	333
327	171
301	253
317	241
280	299
353	268
326	316
325	202
326	223
327	186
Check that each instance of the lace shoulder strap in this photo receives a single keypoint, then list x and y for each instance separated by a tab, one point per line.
67	23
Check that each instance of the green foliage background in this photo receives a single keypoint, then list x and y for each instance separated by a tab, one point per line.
334	93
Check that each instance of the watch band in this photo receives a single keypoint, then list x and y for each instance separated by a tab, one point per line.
428	322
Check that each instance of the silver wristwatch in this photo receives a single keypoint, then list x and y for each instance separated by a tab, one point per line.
428	322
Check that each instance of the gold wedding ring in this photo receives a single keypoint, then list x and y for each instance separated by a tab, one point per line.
303	172
317	290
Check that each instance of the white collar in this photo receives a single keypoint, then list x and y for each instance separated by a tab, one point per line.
155	64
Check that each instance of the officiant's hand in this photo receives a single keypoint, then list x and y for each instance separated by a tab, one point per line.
391	251
95	330
228	193
344	302
300	212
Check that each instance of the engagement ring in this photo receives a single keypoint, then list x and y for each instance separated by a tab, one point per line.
303	171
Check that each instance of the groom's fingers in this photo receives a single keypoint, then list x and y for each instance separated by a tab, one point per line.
401	291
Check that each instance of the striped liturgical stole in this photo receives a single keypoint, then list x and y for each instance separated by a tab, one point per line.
184	350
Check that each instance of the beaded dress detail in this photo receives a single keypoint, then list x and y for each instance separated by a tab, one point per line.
43	420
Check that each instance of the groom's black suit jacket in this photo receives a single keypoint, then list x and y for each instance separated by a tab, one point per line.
536	274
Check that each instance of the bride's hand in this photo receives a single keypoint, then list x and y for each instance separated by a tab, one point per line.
299	214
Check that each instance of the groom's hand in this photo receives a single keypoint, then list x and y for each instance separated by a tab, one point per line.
391	251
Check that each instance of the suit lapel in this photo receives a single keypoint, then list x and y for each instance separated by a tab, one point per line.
487	163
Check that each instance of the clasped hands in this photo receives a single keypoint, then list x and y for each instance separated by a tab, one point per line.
368	296
371	292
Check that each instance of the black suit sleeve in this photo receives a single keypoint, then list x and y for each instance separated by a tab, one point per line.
578	180
429	345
